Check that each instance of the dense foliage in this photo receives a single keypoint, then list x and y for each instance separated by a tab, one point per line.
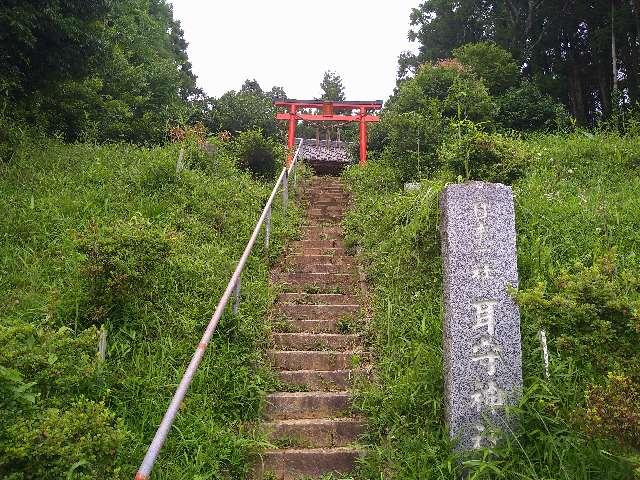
447	114
563	46
95	70
136	243
248	108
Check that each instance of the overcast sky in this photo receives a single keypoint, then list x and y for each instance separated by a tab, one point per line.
291	43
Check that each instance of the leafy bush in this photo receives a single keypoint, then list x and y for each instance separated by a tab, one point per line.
412	142
490	62
613	409
469	99
58	364
448	87
242	111
419	117
263	157
482	156
590	311
525	108
79	441
13	389
119	260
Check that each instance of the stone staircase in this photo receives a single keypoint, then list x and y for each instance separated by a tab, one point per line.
316	348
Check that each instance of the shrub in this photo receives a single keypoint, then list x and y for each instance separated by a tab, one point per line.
483	156
55	363
589	312
78	442
490	62
14	391
263	157
120	260
413	142
469	99
613	409
448	87
526	108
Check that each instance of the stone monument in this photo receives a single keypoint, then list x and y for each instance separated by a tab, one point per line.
482	348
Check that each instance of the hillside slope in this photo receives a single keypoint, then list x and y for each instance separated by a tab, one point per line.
577	204
113	237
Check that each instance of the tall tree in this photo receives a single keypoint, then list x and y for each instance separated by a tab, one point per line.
46	41
332	88
98	69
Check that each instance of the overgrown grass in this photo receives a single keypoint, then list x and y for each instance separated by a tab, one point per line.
577	207
112	237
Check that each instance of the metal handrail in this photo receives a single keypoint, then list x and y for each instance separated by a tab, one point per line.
233	288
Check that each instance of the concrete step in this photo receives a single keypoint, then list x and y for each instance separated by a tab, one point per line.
315	341
321	191
310	222
293	325
300	259
320	268
337	203
329	243
326	381
318	282
314	433
322	232
313	359
317	299
306	250
333	187
322	312
292	405
298	464
321	215
341	204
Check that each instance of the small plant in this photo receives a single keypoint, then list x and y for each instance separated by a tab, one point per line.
262	156
119	262
348	324
475	155
613	409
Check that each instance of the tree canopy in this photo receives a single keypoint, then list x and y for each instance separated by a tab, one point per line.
563	46
332	88
106	70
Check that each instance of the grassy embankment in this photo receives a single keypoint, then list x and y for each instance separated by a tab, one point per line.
112	237
578	223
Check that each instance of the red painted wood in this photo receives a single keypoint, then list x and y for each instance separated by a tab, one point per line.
327	114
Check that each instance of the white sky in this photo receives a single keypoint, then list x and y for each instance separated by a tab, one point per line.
291	43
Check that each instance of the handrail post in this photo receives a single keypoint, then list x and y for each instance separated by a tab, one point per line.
236	297
293	180
267	229
294	166
285	191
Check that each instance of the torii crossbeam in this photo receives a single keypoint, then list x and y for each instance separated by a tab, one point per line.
327	113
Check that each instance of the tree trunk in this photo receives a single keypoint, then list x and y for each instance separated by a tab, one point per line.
633	80
576	92
614	55
636	18
604	85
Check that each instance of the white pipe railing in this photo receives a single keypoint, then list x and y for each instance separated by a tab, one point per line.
233	288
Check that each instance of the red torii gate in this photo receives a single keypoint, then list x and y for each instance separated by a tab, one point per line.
327	114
